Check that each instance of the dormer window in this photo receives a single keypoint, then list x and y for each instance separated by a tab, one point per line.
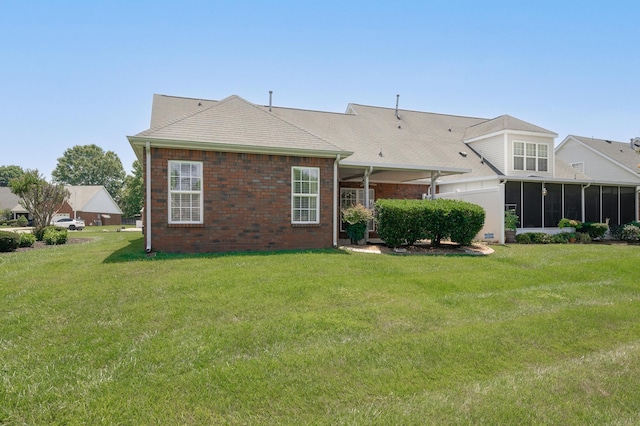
531	156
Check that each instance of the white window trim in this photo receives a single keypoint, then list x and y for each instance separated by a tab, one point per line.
524	156
170	192
579	166
294	195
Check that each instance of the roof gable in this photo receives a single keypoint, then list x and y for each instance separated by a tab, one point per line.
617	152
91	198
236	124
501	124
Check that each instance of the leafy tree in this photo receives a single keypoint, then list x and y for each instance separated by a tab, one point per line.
133	192
91	165
38	196
9	172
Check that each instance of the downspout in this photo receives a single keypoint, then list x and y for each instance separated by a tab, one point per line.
583	201
335	201
148	202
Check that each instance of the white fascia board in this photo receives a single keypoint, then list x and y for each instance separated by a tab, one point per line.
139	142
408	167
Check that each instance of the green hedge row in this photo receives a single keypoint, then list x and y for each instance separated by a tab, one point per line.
407	221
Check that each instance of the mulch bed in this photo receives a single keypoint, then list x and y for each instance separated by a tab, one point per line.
40	245
445	248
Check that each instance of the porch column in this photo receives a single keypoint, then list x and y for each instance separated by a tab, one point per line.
367	172
432	188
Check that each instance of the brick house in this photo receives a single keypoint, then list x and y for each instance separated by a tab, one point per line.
231	175
92	203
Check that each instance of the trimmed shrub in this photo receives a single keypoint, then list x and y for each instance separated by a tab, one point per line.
39	233
9	241
22	221
561	238
407	221
631	233
26	239
583	238
54	236
523	238
595	230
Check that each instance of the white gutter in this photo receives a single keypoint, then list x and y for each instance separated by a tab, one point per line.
148	202
335	201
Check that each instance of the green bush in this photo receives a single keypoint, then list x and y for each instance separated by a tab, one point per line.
26	239
55	236
357	220
9	241
39	233
407	221
524	238
22	221
631	233
595	230
561	238
582	238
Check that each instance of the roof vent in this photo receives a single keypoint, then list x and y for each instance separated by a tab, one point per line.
607	141
464	154
397	101
270	97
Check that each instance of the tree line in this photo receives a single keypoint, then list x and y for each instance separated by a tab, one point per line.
79	165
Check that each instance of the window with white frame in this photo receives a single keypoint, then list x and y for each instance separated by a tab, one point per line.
578	166
185	192
349	197
305	195
531	156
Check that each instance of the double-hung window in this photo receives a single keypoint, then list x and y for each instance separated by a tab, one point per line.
530	156
185	192
305	195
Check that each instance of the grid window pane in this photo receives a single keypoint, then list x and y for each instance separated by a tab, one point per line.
185	192
305	192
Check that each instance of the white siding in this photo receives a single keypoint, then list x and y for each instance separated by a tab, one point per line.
492	149
492	201
596	166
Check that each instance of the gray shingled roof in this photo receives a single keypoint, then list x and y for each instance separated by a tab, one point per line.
504	122
373	136
238	124
620	152
10	201
377	137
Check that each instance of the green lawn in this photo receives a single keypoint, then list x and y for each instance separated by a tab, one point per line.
96	333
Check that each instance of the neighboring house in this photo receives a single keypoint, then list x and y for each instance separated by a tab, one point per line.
615	165
231	175
10	201
92	203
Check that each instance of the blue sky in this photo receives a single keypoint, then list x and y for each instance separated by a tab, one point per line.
84	72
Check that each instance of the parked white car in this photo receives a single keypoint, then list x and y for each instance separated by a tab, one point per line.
69	223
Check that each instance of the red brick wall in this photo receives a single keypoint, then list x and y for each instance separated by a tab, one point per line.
397	191
247	204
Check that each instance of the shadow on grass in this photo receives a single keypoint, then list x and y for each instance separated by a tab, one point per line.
135	252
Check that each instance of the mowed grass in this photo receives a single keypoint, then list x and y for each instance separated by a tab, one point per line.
97	333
